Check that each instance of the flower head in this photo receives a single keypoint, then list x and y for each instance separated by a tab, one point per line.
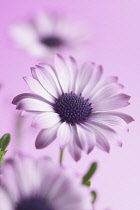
29	184
74	106
45	34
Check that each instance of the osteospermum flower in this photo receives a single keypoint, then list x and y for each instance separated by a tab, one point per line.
74	106
29	184
45	34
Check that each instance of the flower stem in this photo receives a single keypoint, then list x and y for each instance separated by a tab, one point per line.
61	156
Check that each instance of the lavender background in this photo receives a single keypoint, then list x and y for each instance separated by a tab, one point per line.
115	43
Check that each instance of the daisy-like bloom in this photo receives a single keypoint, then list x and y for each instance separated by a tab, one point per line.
29	184
74	106
44	35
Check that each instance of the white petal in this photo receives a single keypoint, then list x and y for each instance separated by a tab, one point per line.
24	34
44	23
101	141
127	118
5	203
85	140
95	78
31	182
10	181
38	89
64	135
47	81
108	132
52	72
46	120
19	97
100	83
62	73
83	77
74	149
46	137
115	102
31	104
73	69
39	50
111	120
29	113
106	91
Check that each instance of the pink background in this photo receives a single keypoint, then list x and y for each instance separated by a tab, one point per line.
115	29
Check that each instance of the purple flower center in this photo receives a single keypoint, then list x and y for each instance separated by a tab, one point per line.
33	203
52	41
72	108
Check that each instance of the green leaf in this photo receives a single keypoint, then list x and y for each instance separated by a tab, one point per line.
2	153
90	173
88	183
94	194
4	141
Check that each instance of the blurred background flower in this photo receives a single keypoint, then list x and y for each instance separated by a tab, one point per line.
46	34
29	184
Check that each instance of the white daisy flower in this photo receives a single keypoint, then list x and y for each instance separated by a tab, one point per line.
45	34
29	184
74	106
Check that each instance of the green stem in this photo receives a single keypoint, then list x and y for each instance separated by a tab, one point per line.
61	156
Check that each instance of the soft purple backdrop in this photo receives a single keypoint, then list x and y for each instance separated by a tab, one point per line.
115	29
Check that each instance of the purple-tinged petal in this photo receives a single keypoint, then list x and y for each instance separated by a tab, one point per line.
53	74
108	132
19	97
115	102
33	72
46	120
30	113
108	119
102	82
83	77
95	78
62	73
38	89
85	139
47	81
73	70
31	104
73	148
127	118
64	135
46	137
106	91
101	141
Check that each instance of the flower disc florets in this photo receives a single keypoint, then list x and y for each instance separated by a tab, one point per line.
33	203
72	108
52	41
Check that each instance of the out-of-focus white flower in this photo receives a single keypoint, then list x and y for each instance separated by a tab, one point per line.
45	34
28	184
